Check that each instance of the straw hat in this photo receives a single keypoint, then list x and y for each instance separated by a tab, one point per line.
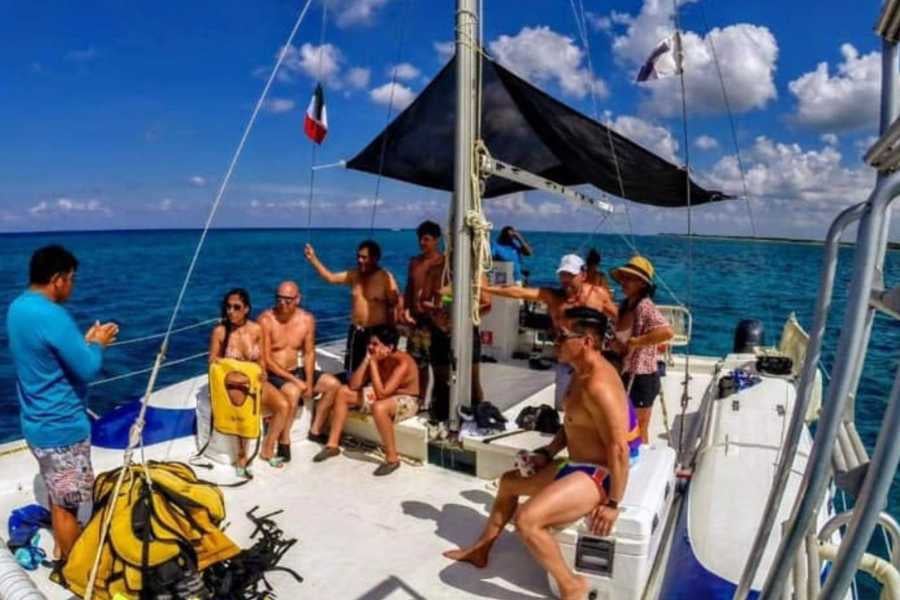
638	266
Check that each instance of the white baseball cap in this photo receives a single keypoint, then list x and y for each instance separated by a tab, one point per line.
570	263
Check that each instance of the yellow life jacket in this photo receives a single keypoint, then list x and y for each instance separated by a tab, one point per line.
241	420
157	534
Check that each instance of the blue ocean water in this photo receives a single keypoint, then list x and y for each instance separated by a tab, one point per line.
133	278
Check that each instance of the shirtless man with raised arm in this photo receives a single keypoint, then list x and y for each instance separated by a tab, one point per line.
573	291
600	433
386	384
374	298
291	331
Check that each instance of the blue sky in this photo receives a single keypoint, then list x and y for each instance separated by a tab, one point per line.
125	115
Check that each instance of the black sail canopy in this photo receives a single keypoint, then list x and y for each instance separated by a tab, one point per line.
527	128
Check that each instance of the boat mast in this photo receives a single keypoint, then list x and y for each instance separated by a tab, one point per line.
466	39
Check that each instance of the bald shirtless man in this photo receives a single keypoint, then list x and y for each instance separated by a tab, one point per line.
596	431
291	332
374	298
573	291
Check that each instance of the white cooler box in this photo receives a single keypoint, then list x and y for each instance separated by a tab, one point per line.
222	448
618	566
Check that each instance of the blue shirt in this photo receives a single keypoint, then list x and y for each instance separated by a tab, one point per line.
53	367
508	254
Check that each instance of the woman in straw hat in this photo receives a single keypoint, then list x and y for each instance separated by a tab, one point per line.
640	328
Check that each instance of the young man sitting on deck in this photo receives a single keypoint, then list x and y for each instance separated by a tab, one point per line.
597	429
374	297
385	384
291	331
573	291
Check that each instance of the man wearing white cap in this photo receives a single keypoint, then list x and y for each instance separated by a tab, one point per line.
573	291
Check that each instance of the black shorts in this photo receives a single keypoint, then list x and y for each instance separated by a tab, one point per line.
441	347
299	373
644	390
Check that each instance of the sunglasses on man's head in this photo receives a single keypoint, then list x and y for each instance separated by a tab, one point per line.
562	336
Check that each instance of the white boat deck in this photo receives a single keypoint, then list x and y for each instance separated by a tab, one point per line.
359	536
362	536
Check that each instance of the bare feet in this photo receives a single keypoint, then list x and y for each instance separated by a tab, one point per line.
578	591
476	555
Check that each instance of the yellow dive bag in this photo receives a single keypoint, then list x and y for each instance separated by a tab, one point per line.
162	533
235	393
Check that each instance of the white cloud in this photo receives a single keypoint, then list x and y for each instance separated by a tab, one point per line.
86	55
445	50
829	138
64	205
165	205
279	105
705	142
518	205
846	101
655	138
403	72
542	56
197	181
364	202
816	178
396	94
863	144
358	78
607	23
316	62
746	55
355	12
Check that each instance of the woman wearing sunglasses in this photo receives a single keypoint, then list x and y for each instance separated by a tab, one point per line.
239	338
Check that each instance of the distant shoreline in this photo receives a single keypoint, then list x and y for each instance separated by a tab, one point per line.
730	238
776	240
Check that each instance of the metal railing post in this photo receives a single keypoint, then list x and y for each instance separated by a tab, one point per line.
804	394
871	500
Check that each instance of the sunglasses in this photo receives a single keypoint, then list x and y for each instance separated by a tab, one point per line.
284	299
234	307
562	336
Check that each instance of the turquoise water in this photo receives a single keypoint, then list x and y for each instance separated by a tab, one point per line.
134	278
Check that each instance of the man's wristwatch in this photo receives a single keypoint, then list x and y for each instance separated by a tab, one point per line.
612	504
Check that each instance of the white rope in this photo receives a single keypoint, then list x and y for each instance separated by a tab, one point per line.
162	334
135	436
170	363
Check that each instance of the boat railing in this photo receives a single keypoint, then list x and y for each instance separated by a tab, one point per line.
873	218
174	362
679	318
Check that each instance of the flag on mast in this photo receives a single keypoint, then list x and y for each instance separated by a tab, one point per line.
315	123
665	60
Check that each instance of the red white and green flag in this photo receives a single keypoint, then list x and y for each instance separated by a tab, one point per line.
315	124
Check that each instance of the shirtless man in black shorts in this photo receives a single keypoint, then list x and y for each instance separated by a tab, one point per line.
290	332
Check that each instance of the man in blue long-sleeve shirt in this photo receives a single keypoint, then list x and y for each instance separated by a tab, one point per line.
54	363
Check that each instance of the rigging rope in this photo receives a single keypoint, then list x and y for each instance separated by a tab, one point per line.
679	61
765	300
159	335
581	26
135	435
315	147
401	34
